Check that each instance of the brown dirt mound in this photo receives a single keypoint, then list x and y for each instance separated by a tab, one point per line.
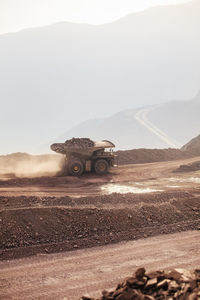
195	166
36	225
175	284
141	156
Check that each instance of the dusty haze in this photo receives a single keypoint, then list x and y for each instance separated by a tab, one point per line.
25	165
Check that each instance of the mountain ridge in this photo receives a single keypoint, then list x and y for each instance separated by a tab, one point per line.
56	77
143	11
124	129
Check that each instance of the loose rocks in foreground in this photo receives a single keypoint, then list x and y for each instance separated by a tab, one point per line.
176	284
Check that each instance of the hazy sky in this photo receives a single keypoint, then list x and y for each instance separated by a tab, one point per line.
19	14
54	78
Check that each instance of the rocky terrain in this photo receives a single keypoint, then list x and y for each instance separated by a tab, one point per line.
174	284
41	224
134	202
52	214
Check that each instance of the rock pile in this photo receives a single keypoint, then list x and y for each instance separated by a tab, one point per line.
80	143
176	284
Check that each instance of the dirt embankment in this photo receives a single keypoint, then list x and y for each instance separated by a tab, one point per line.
141	156
30	225
192	167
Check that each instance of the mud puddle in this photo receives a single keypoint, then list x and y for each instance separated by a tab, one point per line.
126	189
189	179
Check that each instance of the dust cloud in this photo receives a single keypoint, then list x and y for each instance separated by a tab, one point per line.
25	165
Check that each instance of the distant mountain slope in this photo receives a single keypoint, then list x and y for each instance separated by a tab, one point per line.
166	125
55	77
193	145
179	119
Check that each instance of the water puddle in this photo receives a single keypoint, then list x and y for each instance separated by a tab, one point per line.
195	179
173	186
125	189
189	179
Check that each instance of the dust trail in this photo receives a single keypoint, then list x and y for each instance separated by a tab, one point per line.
25	165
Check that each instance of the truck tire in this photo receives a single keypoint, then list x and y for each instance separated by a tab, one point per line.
76	168
101	166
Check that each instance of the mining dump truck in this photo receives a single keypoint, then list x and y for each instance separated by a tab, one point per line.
85	155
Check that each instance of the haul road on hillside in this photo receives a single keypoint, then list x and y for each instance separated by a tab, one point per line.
85	155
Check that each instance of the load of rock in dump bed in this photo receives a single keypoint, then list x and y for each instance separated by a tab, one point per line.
176	284
79	143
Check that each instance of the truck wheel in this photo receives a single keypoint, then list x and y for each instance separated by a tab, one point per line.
76	168
101	166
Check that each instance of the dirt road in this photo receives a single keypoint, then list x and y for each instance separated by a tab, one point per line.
142	117
71	274
156	176
59	214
